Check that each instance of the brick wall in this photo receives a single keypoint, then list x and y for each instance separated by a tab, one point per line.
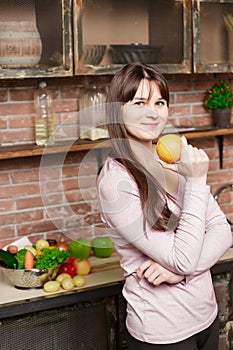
52	195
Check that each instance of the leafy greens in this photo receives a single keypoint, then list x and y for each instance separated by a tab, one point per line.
50	258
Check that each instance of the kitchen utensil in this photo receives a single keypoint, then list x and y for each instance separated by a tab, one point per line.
32	278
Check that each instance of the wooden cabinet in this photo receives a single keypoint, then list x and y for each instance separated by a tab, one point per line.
83	37
35	38
189	35
213	36
108	34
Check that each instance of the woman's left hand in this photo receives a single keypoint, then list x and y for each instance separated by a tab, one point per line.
157	274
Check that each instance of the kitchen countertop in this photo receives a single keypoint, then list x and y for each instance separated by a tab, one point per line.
101	283
10	294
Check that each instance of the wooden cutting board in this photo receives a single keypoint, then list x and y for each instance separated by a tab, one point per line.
101	264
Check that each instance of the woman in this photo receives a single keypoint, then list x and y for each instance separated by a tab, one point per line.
166	225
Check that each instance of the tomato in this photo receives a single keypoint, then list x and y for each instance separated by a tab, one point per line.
102	246
70	259
69	268
80	248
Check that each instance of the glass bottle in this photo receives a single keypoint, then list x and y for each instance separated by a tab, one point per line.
92	112
44	119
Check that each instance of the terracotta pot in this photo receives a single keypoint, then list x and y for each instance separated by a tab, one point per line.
221	118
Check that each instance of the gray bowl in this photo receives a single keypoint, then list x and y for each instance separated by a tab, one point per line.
122	54
31	278
93	54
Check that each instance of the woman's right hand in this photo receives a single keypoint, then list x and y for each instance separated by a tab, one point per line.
193	163
157	274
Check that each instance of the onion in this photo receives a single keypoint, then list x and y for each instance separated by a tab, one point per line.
62	246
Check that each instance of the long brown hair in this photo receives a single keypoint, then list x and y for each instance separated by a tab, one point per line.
123	89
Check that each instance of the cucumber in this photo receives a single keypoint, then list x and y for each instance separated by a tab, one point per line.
8	260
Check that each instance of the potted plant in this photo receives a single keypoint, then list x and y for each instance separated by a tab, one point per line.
219	99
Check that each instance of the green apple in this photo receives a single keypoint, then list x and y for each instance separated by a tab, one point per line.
80	248
102	246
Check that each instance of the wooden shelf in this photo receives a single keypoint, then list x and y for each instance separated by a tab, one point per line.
19	151
208	133
29	150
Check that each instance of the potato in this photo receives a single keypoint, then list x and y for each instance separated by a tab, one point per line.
79	281
62	276
12	249
67	283
51	286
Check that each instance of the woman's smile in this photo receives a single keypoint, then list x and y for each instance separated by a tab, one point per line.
152	125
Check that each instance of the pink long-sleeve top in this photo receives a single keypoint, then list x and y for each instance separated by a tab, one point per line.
165	313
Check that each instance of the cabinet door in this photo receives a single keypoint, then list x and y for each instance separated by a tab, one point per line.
108	34
35	38
213	36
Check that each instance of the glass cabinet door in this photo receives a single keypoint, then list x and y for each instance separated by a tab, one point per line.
110	33
213	36
35	38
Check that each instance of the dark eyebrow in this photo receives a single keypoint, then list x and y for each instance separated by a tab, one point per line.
145	98
140	98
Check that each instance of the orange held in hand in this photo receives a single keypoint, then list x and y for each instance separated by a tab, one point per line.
168	148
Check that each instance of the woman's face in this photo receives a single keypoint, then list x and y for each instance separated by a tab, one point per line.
146	115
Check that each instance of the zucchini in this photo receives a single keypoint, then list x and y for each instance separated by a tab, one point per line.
8	260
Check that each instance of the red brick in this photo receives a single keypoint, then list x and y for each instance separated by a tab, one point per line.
27	121
179	86
22	94
17	108
7	205
3	124
54	199
67	132
7	232
73	196
179	110
4	179
68	92
189	97
27	136
69	118
37	227
27	203
18	191
25	176
199	109
66	105
87	182
3	95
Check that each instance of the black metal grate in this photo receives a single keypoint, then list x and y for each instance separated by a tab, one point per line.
68	328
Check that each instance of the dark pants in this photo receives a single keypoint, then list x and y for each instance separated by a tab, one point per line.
205	340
